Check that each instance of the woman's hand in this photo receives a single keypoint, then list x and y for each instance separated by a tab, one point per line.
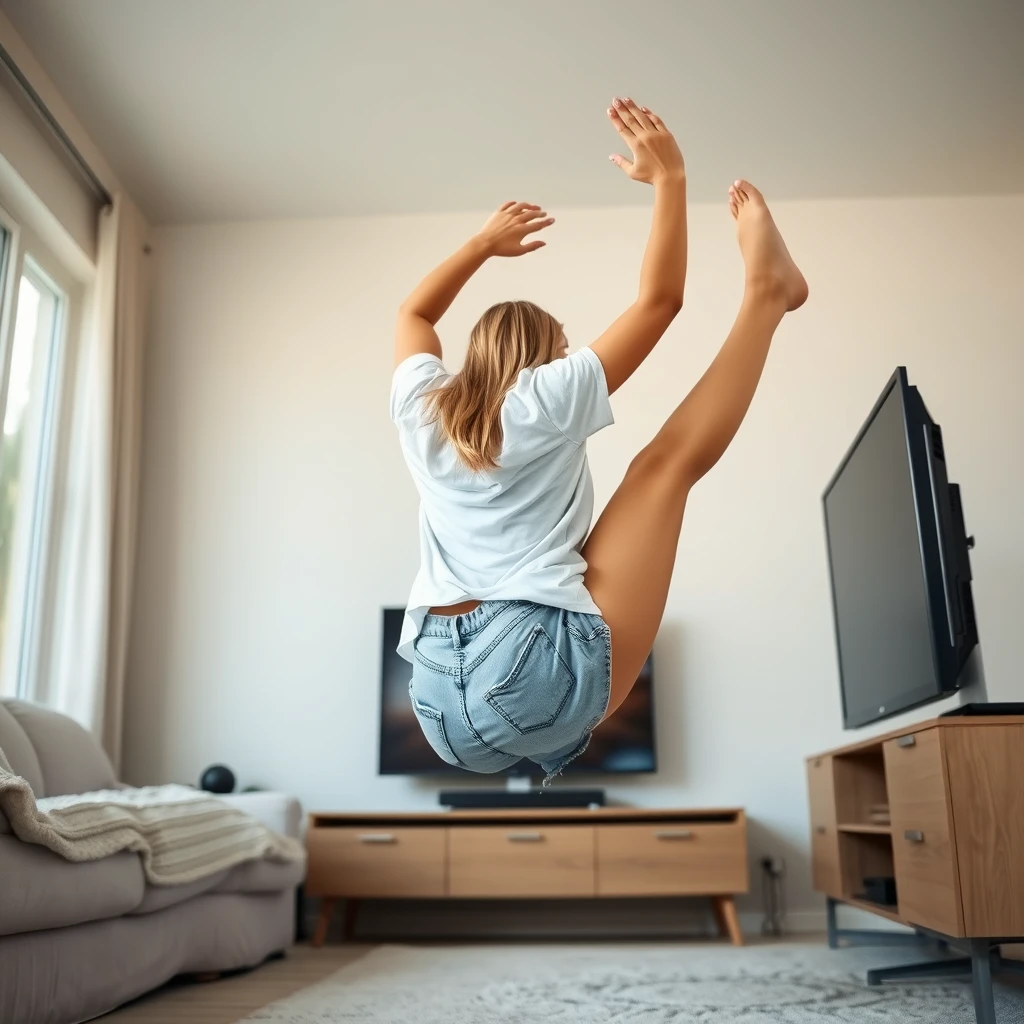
505	230
656	156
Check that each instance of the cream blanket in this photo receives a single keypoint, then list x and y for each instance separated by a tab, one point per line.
181	834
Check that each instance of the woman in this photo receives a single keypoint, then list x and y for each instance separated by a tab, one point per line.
524	632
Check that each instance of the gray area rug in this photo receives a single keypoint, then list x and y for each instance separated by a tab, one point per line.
629	984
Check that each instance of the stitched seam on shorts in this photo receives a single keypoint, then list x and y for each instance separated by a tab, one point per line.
516	671
497	640
438	719
433	666
580	635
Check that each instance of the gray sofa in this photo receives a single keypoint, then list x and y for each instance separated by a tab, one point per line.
78	940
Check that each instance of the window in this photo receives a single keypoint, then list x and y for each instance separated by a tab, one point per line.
33	327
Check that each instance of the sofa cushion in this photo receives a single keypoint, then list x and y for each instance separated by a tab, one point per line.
263	876
158	897
41	890
71	761
17	748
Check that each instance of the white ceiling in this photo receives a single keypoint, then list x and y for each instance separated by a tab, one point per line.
240	109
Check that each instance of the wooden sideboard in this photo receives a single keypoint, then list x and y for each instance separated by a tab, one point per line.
954	841
522	854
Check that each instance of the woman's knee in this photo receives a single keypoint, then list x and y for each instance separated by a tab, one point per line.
665	460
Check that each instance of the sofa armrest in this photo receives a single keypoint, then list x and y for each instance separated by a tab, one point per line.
277	811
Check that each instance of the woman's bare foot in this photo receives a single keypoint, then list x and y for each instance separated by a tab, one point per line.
769	266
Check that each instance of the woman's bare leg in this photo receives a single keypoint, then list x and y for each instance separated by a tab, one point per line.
631	552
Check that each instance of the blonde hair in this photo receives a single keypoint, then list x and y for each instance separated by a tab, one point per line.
508	338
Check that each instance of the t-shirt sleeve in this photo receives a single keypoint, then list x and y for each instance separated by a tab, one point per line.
573	394
413	378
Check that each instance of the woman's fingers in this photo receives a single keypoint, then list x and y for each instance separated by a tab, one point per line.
538	225
620	125
622	162
533	246
638	115
659	125
533	213
621	108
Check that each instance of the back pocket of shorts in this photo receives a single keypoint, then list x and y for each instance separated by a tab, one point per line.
535	693
432	725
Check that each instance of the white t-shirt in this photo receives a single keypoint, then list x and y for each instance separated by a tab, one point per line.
515	532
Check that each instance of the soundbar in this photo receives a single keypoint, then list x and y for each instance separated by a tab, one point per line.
489	799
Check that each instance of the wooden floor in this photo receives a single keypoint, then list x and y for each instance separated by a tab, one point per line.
231	999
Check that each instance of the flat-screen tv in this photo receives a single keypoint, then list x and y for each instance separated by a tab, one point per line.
899	564
622	744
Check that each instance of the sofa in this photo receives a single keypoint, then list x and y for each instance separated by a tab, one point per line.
79	939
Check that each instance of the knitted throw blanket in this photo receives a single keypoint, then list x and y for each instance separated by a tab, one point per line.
181	834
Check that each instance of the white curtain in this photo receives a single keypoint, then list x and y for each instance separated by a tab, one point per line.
90	588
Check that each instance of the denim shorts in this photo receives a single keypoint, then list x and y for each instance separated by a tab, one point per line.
508	680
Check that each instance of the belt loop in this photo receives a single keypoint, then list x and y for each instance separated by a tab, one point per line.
460	656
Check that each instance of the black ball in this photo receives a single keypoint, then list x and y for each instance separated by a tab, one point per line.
218	778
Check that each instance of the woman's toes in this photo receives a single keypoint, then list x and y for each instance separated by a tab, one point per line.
748	190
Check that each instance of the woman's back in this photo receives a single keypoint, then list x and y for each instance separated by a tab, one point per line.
513	531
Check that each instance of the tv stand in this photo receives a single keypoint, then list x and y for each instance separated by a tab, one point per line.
528	854
937	806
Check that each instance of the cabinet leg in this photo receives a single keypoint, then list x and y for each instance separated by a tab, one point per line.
723	928
830	917
326	912
351	913
729	922
981	972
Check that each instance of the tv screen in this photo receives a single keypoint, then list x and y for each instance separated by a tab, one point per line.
898	564
625	743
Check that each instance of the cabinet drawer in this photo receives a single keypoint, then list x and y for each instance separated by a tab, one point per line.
371	862
923	857
532	860
825	874
667	859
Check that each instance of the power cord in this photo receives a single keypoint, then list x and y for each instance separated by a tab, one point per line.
773	872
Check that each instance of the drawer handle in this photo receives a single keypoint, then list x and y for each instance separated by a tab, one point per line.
377	837
817	762
821	830
906	741
674	833
525	837
913	835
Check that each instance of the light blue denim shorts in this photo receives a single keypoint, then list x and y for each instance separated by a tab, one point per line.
508	680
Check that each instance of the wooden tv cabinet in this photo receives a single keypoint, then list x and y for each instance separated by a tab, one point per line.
954	842
529	854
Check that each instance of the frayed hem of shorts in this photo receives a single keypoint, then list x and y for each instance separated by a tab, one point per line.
552	775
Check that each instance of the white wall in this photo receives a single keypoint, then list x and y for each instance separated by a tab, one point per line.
277	517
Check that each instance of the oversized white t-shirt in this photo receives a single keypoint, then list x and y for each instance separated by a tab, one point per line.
515	532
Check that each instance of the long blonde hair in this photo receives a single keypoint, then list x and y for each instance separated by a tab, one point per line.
508	338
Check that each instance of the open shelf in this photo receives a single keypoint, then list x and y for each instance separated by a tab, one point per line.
876	908
865	829
860	787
